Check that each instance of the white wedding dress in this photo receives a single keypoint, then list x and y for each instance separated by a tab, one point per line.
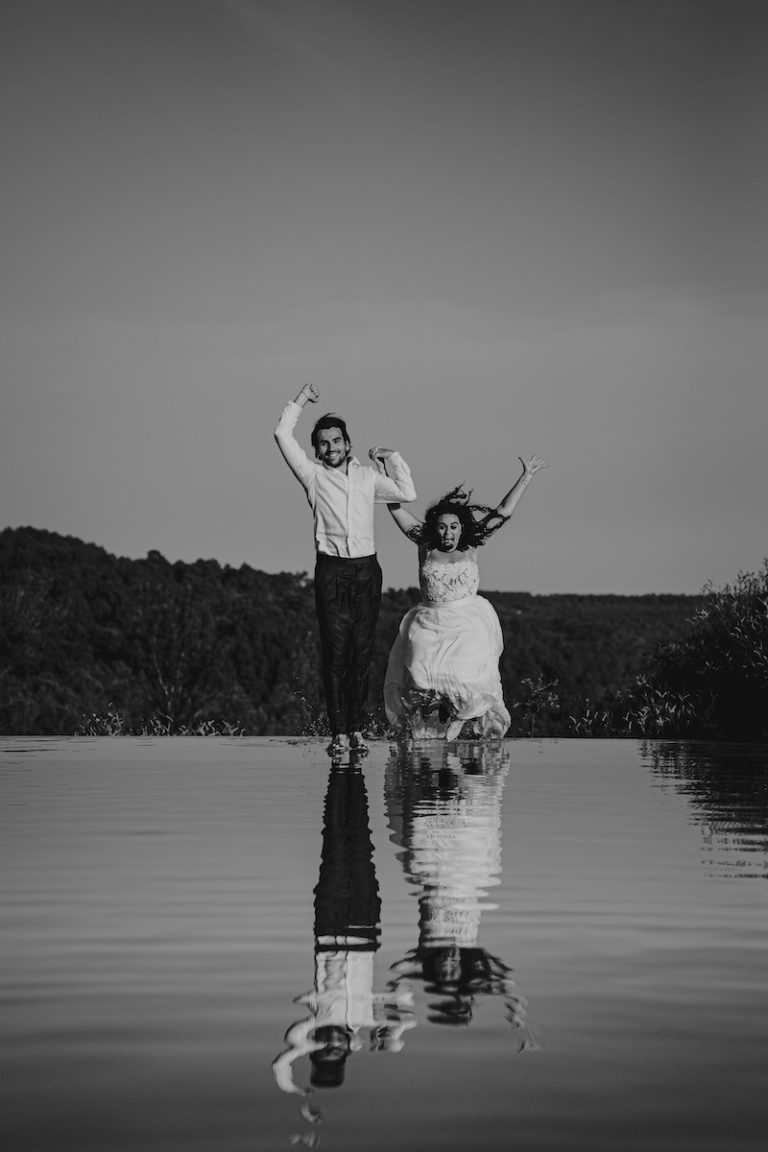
444	664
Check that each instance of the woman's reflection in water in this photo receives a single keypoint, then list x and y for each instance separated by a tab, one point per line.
444	808
343	1004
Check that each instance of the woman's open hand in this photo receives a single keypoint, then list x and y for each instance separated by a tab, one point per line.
533	464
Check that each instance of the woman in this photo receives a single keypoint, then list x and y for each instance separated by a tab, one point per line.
443	669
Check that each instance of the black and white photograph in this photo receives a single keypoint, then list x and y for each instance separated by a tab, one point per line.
384	575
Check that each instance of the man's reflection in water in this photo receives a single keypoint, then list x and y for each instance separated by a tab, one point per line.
343	1004
444	809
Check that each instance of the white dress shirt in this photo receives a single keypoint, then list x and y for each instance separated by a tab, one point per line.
342	499
343	996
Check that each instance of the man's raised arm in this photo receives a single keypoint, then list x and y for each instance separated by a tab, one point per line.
294	455
393	482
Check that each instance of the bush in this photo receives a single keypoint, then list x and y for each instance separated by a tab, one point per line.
711	683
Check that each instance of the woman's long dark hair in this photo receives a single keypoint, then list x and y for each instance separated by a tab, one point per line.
478	521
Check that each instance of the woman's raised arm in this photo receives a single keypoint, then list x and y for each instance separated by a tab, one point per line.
512	498
408	524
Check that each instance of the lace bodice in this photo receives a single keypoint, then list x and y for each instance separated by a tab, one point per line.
443	583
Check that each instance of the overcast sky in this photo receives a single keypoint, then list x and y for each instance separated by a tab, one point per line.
483	228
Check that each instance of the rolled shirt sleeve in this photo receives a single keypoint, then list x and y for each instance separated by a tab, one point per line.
294	455
396	487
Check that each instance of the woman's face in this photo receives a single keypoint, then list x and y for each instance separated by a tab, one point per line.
448	532
449	966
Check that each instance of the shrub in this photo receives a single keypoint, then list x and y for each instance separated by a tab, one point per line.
711	683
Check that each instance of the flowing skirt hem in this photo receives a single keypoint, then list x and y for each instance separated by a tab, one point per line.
443	672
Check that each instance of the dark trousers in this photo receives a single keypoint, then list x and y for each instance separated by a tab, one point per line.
347	899
347	599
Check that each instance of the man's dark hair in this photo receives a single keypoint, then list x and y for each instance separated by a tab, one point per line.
329	1061
330	420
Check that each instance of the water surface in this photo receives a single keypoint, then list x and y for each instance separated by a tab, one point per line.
234	944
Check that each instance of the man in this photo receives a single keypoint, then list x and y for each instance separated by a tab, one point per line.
343	1004
341	493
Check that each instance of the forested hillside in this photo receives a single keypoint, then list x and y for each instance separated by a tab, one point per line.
83	632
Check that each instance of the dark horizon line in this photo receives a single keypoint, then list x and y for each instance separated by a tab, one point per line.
302	573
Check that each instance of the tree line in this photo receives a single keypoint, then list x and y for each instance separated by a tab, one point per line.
94	642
